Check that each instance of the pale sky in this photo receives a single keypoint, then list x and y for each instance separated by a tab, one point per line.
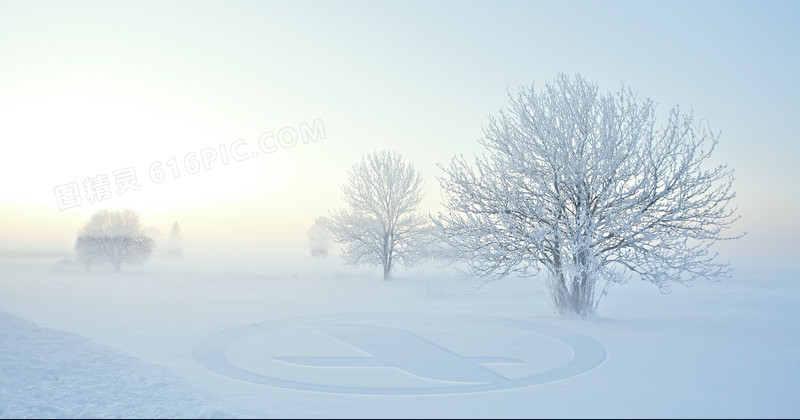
92	88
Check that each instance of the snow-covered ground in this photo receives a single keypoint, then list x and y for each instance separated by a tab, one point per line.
275	333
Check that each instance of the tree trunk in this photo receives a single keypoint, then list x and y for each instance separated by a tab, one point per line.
581	286
572	292
387	257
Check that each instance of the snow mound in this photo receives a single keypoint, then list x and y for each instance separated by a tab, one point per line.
53	374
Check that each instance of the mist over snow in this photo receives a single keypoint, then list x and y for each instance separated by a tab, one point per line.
124	344
360	209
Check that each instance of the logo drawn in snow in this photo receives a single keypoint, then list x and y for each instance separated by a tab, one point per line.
391	347
393	354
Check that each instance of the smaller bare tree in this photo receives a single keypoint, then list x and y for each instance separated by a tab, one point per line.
381	225
320	237
113	236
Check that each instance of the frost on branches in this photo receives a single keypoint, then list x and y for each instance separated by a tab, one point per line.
381	225
113	236
591	188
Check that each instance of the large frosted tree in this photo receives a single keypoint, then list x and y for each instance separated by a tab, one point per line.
114	236
381	225
592	188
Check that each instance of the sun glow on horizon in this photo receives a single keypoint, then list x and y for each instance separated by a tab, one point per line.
180	94
178	162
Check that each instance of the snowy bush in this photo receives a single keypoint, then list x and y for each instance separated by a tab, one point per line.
113	236
320	237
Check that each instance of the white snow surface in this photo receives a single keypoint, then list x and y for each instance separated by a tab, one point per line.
52	374
125	345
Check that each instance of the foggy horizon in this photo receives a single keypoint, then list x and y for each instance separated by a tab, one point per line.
131	88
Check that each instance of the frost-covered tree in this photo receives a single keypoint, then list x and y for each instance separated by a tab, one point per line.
381	225
320	237
175	242
113	236
590	187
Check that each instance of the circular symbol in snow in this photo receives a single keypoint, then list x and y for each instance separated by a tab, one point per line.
399	354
